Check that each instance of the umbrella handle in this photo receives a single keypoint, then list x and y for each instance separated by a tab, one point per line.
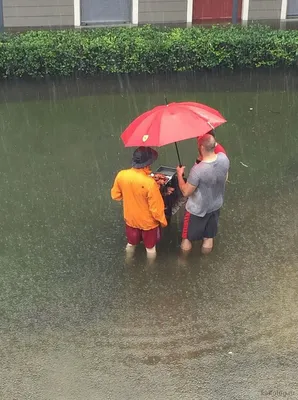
177	151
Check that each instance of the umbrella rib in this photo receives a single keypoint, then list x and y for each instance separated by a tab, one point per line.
199	116
153	121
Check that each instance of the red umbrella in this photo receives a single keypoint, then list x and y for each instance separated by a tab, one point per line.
171	123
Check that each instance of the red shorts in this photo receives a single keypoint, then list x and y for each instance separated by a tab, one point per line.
149	238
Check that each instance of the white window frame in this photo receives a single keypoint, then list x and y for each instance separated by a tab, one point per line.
77	12
245	10
189	14
284	9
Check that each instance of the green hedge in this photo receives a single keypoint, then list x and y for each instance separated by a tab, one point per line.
144	49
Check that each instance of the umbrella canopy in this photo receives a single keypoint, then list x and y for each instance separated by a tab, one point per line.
171	123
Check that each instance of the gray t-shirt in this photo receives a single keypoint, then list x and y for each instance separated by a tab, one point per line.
210	179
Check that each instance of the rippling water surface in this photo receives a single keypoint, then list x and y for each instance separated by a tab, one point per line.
77	322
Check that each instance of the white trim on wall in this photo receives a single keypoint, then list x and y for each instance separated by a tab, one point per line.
284	7
135	12
245	9
77	13
189	12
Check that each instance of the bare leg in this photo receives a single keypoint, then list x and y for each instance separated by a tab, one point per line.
130	251
186	245
207	246
151	255
130	247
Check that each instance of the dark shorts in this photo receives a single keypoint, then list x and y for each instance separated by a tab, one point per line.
149	238
199	228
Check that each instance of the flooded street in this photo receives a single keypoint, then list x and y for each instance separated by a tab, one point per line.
77	322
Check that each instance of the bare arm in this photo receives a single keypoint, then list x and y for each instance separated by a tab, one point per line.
186	188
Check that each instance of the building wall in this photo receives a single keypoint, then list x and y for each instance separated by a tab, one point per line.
26	13
264	9
160	11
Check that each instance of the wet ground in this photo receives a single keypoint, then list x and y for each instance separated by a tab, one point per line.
79	323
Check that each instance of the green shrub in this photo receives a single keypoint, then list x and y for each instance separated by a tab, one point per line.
144	49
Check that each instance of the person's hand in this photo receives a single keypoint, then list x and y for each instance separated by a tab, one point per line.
180	170
170	190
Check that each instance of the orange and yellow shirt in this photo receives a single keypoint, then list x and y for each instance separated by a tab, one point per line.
143	205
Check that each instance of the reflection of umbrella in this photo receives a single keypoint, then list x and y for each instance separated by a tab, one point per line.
171	123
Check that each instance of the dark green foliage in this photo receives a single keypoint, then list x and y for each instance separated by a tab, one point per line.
144	49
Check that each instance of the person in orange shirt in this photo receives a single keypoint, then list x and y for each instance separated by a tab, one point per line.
143	205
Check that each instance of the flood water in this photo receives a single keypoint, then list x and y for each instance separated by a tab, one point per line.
77	322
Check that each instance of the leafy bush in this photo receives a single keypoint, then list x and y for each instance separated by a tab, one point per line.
144	49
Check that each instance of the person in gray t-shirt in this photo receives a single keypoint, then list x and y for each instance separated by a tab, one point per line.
205	189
